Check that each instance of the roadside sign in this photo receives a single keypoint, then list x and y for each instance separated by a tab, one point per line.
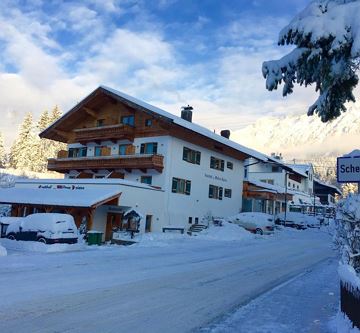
348	169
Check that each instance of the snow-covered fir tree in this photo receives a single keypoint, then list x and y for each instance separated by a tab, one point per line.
23	151
326	35
2	152
46	148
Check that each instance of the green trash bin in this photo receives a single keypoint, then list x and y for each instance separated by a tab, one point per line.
94	237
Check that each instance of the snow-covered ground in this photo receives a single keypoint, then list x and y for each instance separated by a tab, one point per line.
306	303
170	283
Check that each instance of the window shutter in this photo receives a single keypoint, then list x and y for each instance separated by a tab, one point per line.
220	193
154	150
222	165
142	148
174	185
198	157
188	187
211	191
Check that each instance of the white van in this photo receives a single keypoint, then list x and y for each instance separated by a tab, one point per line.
48	228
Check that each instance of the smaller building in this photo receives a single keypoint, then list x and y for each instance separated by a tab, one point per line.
95	204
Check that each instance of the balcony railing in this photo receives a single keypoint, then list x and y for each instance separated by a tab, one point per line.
124	162
112	132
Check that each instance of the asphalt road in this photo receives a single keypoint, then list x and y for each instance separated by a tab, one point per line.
178	287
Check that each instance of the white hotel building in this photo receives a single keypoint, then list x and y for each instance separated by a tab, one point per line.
124	153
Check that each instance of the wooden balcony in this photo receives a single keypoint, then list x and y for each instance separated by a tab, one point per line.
111	133
119	162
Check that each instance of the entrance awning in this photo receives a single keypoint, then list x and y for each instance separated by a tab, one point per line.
85	198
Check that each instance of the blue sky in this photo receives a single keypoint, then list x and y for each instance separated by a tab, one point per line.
170	53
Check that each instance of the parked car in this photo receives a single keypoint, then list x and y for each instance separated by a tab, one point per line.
314	221
47	228
4	223
258	223
293	220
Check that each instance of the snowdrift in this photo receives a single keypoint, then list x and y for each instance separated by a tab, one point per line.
27	246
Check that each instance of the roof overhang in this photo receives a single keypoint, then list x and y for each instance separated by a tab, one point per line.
86	198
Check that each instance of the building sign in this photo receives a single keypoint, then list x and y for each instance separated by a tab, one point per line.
215	177
61	187
348	169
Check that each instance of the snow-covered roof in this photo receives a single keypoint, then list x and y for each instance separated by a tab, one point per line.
328	185
56	197
301	169
189	125
354	153
271	187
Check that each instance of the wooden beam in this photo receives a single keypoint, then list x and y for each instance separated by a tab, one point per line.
61	133
90	112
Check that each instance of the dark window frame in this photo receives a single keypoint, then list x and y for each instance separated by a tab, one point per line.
144	148
181	186
217	163
191	156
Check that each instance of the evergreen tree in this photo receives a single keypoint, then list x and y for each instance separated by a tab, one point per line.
2	152
23	151
46	148
327	39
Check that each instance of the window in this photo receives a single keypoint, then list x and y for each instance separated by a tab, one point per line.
148	122
288	184
230	165
146	180
99	176
190	220
128	120
191	156
227	192
97	151
182	186
77	152
122	149
215	192
196	220
216	163
100	122
246	173
148	148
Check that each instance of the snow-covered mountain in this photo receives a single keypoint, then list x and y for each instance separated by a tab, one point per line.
302	136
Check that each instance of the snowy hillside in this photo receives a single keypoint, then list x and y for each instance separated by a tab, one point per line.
303	136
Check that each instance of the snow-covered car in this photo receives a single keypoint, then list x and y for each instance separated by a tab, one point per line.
313	221
48	228
293	220
259	223
4	223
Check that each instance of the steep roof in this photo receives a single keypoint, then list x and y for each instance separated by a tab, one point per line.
157	112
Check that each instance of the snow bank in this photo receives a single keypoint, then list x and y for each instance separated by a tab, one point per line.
351	205
160	239
27	246
228	232
3	251
342	324
348	275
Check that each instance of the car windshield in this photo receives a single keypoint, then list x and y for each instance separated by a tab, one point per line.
60	222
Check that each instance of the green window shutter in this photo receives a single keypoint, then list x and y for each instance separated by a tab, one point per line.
188	187
142	148
198	157
174	185
222	165
185	154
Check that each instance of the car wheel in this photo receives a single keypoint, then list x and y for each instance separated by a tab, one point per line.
11	237
258	231
42	240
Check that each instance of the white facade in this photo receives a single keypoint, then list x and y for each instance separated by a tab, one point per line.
180	209
295	179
